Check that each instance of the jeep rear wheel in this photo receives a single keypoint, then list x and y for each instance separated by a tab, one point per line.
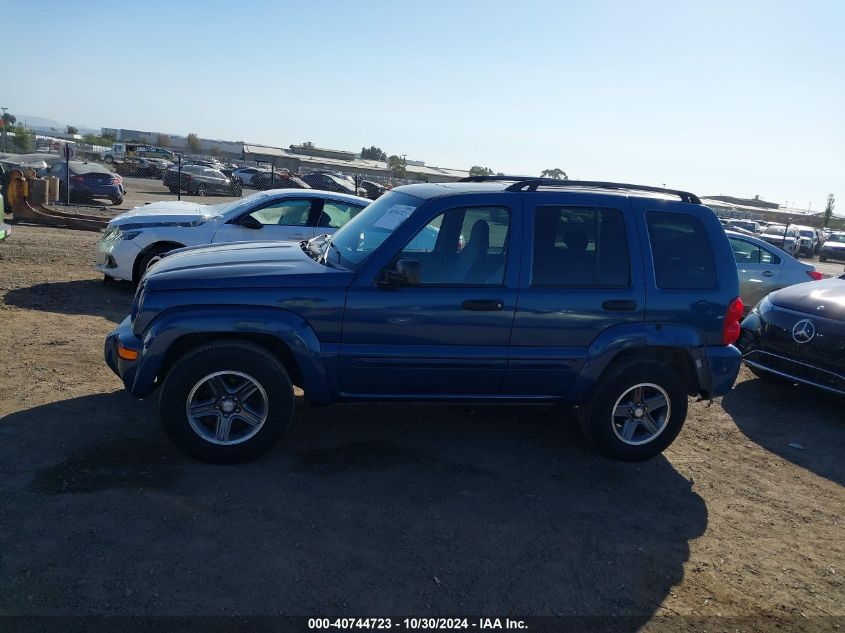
227	402
635	411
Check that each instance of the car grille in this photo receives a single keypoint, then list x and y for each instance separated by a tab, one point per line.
825	350
796	370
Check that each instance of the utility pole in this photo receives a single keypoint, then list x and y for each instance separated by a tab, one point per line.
4	128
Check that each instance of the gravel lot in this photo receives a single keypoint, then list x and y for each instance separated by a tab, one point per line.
386	510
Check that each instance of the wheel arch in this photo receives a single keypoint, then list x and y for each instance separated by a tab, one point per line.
169	245
282	333
680	347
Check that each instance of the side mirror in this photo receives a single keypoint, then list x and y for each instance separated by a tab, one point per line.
250	222
406	273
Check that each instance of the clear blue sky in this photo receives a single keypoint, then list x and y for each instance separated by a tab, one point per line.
716	97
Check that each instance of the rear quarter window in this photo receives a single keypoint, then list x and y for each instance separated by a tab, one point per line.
681	251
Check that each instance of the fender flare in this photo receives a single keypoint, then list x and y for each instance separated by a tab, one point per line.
637	338
284	326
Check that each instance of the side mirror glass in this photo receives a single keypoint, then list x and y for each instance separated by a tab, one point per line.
407	272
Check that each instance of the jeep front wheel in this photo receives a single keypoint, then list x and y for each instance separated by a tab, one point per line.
635	411
227	402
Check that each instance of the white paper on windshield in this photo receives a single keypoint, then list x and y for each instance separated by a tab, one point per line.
394	216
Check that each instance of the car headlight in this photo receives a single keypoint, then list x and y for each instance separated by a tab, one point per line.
116	234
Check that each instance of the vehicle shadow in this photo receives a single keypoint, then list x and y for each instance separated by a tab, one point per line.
384	510
797	423
83	296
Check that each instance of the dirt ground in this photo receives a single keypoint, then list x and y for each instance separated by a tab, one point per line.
387	510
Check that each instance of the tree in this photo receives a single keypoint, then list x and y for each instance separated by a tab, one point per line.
477	170
23	139
554	173
215	151
373	153
9	119
828	210
162	140
397	165
72	130
193	143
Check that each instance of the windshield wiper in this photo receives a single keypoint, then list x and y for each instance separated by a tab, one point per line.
328	244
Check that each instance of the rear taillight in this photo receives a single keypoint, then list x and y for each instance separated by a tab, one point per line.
77	179
730	328
187	177
814	275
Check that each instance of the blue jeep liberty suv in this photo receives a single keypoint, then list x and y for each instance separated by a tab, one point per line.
619	299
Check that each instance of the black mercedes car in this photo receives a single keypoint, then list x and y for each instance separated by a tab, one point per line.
798	333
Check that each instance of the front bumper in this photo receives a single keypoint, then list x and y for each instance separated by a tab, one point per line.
116	258
126	370
796	371
833	253
768	345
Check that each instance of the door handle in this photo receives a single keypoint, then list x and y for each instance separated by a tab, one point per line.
483	305
767	273
620	305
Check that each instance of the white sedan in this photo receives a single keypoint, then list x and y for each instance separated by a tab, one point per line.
134	238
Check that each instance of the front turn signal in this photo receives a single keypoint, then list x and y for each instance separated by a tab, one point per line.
127	354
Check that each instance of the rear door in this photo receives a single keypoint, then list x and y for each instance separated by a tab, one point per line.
758	268
285	219
578	280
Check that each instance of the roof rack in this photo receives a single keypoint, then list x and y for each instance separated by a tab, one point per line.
522	183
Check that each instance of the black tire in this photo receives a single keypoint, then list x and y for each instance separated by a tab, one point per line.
174	190
822	258
146	257
597	423
226	356
199	190
116	200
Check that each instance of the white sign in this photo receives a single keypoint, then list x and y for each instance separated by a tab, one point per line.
394	216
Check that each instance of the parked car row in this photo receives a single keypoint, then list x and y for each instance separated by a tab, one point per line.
795	239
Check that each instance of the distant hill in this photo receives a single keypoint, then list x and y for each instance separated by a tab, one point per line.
42	124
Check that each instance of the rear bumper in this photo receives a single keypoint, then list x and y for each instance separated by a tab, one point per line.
724	363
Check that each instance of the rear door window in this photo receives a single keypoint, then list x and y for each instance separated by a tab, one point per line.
681	251
335	214
580	247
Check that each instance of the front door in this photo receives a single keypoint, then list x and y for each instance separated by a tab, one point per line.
577	283
282	220
447	336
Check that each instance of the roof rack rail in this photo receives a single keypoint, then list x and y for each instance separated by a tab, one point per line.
494	178
521	183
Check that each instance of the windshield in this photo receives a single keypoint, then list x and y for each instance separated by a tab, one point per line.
806	233
235	207
837	237
355	240
775	230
